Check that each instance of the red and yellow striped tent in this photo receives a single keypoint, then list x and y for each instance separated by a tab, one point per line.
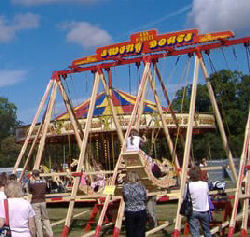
122	101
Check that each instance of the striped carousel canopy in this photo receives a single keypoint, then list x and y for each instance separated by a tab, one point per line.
122	102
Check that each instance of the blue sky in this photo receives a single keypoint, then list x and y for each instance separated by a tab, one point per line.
38	37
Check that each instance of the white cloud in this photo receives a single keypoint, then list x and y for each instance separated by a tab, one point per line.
8	29
11	77
214	15
43	2
87	35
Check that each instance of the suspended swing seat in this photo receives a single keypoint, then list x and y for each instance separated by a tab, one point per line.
138	161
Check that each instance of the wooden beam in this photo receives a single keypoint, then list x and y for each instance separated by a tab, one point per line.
119	218
164	123
82	152
187	146
30	152
24	147
118	163
76	126
158	228
218	119
238	192
45	126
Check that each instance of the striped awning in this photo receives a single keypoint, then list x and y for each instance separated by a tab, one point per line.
123	104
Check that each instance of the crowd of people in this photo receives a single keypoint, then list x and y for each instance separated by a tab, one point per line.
28	218
25	218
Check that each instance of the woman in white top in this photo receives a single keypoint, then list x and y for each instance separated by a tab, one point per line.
21	214
134	142
199	192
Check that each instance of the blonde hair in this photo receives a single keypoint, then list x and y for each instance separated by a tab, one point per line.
13	189
132	177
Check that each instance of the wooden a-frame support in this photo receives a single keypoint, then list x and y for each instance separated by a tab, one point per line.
31	128
187	146
244	166
42	131
118	163
134	121
199	60
98	76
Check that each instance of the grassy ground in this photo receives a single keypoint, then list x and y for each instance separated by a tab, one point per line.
163	211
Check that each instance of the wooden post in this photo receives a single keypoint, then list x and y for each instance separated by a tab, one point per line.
24	147
131	123
163	120
219	119
246	200
45	126
187	146
117	124
82	154
240	179
30	152
118	223
76	126
164	89
140	107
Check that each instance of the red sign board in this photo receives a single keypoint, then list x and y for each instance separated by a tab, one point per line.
149	42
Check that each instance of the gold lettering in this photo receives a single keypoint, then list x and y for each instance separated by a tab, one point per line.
122	50
162	42
180	38
188	37
104	53
130	48
153	44
138	47
171	40
113	51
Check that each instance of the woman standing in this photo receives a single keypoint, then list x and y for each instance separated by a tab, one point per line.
135	196
199	192
21	214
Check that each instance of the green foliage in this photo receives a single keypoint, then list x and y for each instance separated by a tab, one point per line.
231	90
8	122
9	151
8	118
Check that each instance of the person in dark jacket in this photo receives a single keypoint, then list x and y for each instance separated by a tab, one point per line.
37	188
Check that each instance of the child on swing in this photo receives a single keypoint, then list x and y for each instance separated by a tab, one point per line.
134	141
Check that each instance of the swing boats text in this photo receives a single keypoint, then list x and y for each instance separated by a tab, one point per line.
150	42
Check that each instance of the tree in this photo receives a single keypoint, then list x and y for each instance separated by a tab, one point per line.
9	151
8	118
231	89
8	122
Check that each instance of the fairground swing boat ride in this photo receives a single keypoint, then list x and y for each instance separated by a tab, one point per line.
122	112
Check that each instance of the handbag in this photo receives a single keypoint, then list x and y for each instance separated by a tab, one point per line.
6	232
187	206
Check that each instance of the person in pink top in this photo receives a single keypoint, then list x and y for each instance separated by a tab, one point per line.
21	214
